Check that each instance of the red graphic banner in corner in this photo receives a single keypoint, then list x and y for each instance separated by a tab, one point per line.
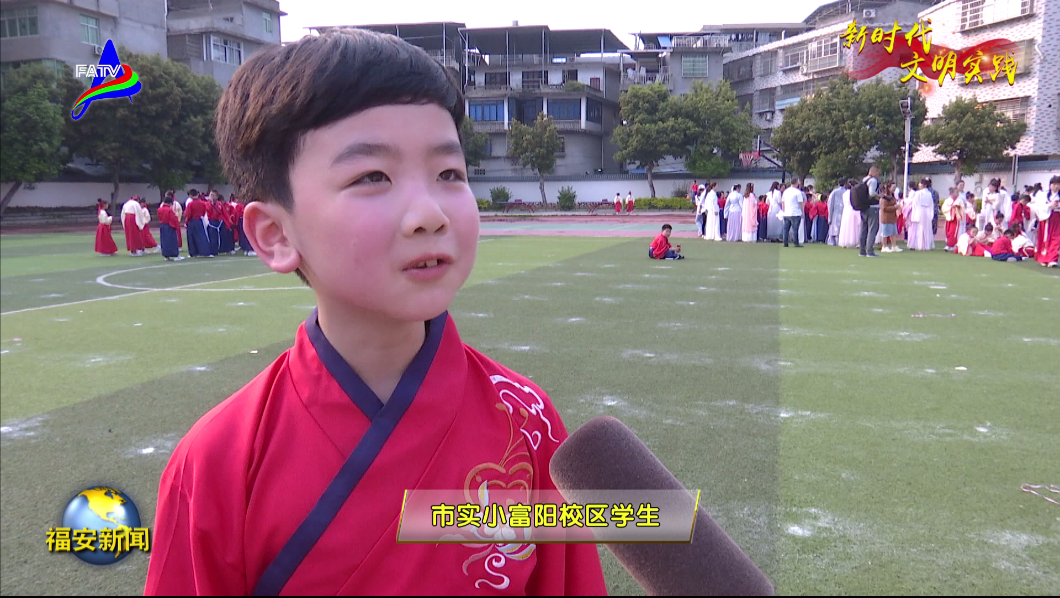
914	53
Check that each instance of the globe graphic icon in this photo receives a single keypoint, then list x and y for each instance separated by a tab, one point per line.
101	507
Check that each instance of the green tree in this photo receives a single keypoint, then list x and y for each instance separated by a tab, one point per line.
171	117
474	144
794	138
649	131
535	147
968	133
878	104
830	133
31	125
718	130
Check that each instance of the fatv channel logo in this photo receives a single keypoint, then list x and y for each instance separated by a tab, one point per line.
126	83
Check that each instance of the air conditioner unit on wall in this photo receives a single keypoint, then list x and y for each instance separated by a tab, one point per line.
98	50
869	13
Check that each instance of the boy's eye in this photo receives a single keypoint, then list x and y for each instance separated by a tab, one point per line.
372	177
452	175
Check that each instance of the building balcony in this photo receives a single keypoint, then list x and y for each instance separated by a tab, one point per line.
446	59
700	42
534	88
488	126
628	80
205	21
822	63
576	126
487	91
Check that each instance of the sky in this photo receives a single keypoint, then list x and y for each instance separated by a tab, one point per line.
623	17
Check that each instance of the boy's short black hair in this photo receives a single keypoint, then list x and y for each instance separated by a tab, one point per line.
1009	232
193	193
285	91
667	227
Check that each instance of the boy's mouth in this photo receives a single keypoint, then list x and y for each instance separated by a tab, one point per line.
428	261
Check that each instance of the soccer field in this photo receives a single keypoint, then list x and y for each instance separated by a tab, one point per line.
858	426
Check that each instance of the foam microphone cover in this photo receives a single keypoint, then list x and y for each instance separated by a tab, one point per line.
604	454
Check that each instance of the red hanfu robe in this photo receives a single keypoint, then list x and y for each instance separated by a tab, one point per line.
145	231
131	217
307	435
1047	246
104	239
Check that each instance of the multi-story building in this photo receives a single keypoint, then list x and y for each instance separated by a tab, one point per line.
515	73
679	59
54	32
1034	96
776	75
572	75
442	40
769	66
214	37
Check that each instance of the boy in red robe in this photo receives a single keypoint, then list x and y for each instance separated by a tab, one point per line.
294	484
660	246
1002	248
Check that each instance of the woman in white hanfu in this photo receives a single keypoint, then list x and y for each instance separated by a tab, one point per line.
774	225
710	205
734	216
850	227
921	212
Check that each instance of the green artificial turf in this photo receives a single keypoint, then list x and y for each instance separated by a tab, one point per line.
829	429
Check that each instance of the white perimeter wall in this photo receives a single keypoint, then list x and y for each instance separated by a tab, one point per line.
74	195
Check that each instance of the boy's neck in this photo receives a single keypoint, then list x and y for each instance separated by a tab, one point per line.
378	349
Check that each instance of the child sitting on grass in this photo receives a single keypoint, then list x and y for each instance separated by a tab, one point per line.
660	247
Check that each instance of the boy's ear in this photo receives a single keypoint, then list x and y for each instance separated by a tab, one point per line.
267	226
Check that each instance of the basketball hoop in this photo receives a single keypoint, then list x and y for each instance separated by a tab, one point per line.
746	158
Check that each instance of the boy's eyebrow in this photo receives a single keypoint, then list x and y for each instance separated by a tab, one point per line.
364	149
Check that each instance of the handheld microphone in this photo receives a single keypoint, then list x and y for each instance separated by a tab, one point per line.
711	565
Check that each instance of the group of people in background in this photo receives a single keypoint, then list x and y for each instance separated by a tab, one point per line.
1006	227
214	226
787	212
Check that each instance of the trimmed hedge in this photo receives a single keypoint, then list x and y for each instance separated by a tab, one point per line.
664	203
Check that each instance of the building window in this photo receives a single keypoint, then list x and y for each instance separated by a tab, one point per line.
1014	108
1024	55
694	65
565	109
765	99
822	54
594	82
792	57
562	145
90	30
489	146
978	13
496	79
570	75
767	63
594	111
226	50
533	79
266	21
18	22
745	101
486	111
